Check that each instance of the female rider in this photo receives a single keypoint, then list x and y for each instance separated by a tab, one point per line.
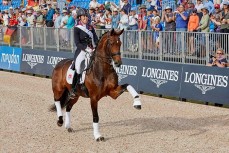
85	41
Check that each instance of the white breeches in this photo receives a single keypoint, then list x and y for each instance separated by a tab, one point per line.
79	59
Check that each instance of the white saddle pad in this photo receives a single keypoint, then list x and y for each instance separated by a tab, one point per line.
70	75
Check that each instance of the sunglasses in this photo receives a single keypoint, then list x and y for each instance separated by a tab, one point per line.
219	53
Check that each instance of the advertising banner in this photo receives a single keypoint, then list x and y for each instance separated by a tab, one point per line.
41	62
10	58
129	72
209	84
160	78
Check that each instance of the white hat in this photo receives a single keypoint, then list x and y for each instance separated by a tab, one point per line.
205	7
64	11
115	10
11	8
168	7
29	11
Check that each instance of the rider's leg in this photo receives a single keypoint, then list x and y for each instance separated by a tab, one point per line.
76	77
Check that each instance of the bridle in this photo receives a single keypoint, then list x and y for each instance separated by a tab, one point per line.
108	59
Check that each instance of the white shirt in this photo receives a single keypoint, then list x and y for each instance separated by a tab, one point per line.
93	4
199	7
124	22
30	20
5	19
64	19
153	2
132	19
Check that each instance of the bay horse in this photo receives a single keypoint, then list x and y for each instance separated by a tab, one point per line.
101	80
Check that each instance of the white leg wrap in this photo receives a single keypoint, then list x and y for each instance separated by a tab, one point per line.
137	102
132	91
67	120
96	130
58	109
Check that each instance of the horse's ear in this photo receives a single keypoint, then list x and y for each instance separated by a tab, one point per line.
112	32
119	32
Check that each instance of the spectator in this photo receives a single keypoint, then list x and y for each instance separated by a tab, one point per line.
126	7
108	18
57	24
157	28
169	19
150	4
123	23
181	19
92	16
5	18
218	60
39	21
199	5
225	18
94	4
69	25
57	21
49	16
148	19
100	20
133	20
204	22
115	18
193	23
191	6
209	5
11	11
63	30
142	17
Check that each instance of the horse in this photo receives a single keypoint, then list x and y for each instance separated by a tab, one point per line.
101	80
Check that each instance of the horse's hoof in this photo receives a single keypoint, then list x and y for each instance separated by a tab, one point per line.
60	123
100	139
139	107
70	130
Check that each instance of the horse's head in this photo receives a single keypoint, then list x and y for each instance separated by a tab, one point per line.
113	45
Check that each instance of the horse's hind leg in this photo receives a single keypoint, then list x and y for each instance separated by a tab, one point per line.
120	89
67	115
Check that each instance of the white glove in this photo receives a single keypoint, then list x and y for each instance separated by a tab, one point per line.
89	50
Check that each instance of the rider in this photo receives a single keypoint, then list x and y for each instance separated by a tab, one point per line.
85	41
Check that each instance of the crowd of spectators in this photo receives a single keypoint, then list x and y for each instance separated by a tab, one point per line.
189	16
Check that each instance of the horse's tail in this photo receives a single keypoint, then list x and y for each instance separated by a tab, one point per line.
63	101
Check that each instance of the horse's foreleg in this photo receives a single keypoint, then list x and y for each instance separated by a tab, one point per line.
120	89
59	113
96	133
67	114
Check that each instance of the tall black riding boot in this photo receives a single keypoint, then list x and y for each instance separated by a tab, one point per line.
74	85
